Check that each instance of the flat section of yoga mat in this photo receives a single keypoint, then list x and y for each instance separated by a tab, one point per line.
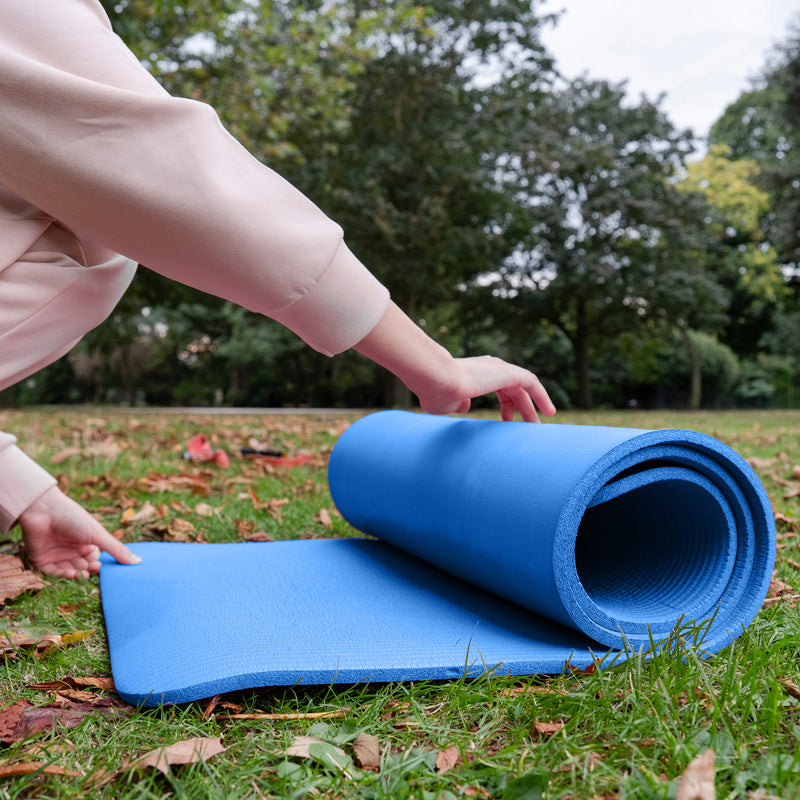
195	620
594	534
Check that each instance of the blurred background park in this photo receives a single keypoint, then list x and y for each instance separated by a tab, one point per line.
565	223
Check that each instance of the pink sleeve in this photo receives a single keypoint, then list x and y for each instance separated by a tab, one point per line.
21	481
92	140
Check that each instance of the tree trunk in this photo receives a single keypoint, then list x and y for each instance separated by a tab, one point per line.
581	346
696	375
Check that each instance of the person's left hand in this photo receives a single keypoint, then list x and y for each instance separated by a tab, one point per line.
63	539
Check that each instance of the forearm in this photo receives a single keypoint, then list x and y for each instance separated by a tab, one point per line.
402	347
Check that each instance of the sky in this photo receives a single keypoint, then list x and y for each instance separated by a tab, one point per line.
701	53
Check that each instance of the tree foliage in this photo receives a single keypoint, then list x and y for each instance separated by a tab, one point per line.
557	223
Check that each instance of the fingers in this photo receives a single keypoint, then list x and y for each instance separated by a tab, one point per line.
516	388
109	544
517	399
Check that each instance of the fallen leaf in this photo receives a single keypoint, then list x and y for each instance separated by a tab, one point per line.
211	705
367	751
164	482
107	448
181	530
780	590
188	751
323	752
76	683
76	636
12	640
590	669
546	728
324	517
64	454
30	767
292	715
146	513
758	463
23	719
68	608
204	510
15	579
697	781
259	536
447	759
474	791
514	691
792	689
790	521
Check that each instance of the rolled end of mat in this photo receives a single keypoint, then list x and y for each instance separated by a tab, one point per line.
619	533
669	527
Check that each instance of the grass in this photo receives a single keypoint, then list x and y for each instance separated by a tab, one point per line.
626	731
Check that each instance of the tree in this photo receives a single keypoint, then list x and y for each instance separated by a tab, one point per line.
737	251
763	125
415	181
610	232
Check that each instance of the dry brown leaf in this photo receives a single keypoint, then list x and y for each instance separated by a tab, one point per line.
64	454
790	521
546	728
780	591
448	758
292	715
792	689
205	510
188	751
15	579
146	513
181	530
107	448
697	781
474	791
514	691
22	719
758	463
68	608
299	748
259	536
244	527
29	767
324	517
14	639
76	683
367	751
166	482
324	753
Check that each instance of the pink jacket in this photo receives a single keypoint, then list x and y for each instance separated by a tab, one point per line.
96	160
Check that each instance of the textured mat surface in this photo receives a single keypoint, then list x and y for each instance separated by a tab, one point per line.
503	546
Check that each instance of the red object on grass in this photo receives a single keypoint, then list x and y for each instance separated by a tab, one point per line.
199	449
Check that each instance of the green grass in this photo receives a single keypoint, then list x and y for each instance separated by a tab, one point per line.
628	731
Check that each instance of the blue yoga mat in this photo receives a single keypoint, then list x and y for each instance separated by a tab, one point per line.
511	547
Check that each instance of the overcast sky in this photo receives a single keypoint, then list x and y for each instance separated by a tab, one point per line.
700	52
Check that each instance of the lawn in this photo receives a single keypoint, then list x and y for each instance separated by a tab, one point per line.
626	731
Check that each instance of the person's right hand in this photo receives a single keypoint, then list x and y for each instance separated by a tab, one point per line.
517	389
63	539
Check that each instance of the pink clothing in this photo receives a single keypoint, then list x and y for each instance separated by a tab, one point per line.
96	159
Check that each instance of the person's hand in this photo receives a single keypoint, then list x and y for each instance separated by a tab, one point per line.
446	385
451	391
63	539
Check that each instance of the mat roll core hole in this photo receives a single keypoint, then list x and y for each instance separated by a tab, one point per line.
655	554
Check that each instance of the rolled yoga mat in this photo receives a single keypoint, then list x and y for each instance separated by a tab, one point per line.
509	547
